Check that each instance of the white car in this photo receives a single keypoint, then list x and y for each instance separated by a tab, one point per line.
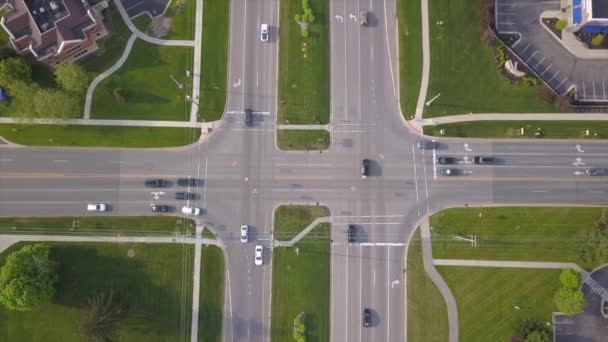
96	207
264	32
244	234
191	210
259	251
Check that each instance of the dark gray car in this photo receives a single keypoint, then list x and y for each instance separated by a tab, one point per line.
427	144
185	196
597	171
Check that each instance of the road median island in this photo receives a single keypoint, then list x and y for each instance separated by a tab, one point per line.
290	220
513	129
98	136
152	283
211	307
302	140
410	54
301	284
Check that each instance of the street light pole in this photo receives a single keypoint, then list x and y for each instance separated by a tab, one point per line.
429	102
179	85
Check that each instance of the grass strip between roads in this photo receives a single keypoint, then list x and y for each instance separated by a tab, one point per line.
486	299
512	233
304	65
290	220
463	69
212	295
98	136
427	317
155	280
303	140
216	15
97	224
300	283
512	129
410	54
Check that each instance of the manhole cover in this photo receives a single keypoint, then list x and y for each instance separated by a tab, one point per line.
131	253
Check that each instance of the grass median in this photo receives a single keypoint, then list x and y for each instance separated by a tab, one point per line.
304	65
512	129
410	54
98	136
300	284
427	317
487	298
212	295
216	15
155	281
290	220
303	140
463	69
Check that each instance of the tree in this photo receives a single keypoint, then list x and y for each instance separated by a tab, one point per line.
594	248
539	336
55	103
27	278
103	317
528	325
570	279
597	40
14	71
72	78
569	301
561	24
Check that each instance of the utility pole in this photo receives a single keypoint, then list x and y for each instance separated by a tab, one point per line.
429	102
179	85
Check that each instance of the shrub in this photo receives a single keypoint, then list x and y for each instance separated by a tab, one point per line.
529	81
501	56
304	33
539	336
569	301
561	24
570	279
597	40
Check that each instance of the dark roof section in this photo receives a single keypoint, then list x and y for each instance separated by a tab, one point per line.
600	9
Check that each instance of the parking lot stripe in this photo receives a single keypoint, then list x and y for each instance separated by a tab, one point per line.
584	91
529	58
526	48
549	67
604	87
539	62
553	76
594	90
565	78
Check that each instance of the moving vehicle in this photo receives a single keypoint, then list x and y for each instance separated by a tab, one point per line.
98	207
155	183
447	160
244	233
427	144
248	117
191	210
597	171
259	257
363	18
484	160
160	208
367	317
188	181
448	172
351	233
365	164
185	195
264	32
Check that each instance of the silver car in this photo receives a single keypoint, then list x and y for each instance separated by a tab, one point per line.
244	234
259	255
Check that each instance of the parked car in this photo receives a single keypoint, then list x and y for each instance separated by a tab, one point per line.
244	233
363	18
447	160
161	208
248	117
264	32
185	196
191	210
448	172
597	171
351	233
367	317
156	183
259	255
484	160
427	144
96	207
365	165
188	181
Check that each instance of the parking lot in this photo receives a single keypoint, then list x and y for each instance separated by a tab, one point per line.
546	56
154	8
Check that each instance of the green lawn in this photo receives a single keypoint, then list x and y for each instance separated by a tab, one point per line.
216	15
510	129
512	233
97	224
289	220
304	65
486	299
463	69
142	22
300	283
98	136
156	282
142	88
207	234
427	317
212	295
183	18
410	54
303	140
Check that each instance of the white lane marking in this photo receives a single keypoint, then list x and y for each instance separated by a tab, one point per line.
374	278
372	53
539	191
6	160
468	148
360	286
594	90
117	162
394	283
253	129
584	90
346	293
303	165
237	83
434	165
579	148
604	88
240	112
350	131
382	244
304	190
205	189
416	180
388	295
257	79
339	18
41	190
578	162
388	47
426	185
60	161
72	202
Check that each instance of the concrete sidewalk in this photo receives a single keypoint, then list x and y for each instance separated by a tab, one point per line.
304	127
103	122
514	117
302	234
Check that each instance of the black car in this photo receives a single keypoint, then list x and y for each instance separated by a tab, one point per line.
160	208
447	160
352	233
597	171
367	317
188	182
484	160
427	144
156	183
248	117
185	195
365	164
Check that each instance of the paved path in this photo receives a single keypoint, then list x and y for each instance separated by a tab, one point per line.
303	233
196	70
103	122
426	59
427	256
515	117
508	264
